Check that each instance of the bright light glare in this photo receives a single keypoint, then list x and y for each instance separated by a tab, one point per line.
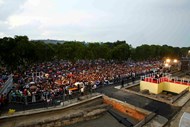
168	60
166	65
175	61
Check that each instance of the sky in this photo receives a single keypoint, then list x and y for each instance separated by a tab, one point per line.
136	21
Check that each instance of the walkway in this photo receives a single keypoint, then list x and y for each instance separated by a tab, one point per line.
159	108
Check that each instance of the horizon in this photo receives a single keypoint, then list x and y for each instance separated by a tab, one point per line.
62	41
137	22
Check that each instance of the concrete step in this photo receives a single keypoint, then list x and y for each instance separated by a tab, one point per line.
157	121
180	102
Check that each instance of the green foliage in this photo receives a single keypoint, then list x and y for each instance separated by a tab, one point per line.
20	51
121	52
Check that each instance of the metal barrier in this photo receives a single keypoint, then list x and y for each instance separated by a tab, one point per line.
21	103
165	77
7	86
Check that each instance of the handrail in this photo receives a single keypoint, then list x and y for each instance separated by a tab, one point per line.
7	85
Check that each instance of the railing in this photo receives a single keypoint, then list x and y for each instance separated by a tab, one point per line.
21	103
165	78
7	85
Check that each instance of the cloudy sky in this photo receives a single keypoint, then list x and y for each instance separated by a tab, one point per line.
136	21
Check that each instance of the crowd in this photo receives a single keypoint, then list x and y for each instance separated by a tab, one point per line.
44	81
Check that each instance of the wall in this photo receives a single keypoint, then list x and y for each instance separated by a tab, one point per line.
57	116
167	86
134	112
160	87
152	87
173	87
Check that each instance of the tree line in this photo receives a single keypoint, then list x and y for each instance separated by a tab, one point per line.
21	51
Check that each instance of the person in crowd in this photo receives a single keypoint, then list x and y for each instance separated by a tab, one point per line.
133	77
94	87
49	77
82	90
70	94
33	96
122	83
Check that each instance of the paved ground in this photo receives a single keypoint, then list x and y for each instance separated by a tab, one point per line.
163	110
159	108
175	120
157	121
105	121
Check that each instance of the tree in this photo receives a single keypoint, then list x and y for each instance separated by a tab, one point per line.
20	51
121	52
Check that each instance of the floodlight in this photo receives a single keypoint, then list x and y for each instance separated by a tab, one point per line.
175	60
168	60
166	65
